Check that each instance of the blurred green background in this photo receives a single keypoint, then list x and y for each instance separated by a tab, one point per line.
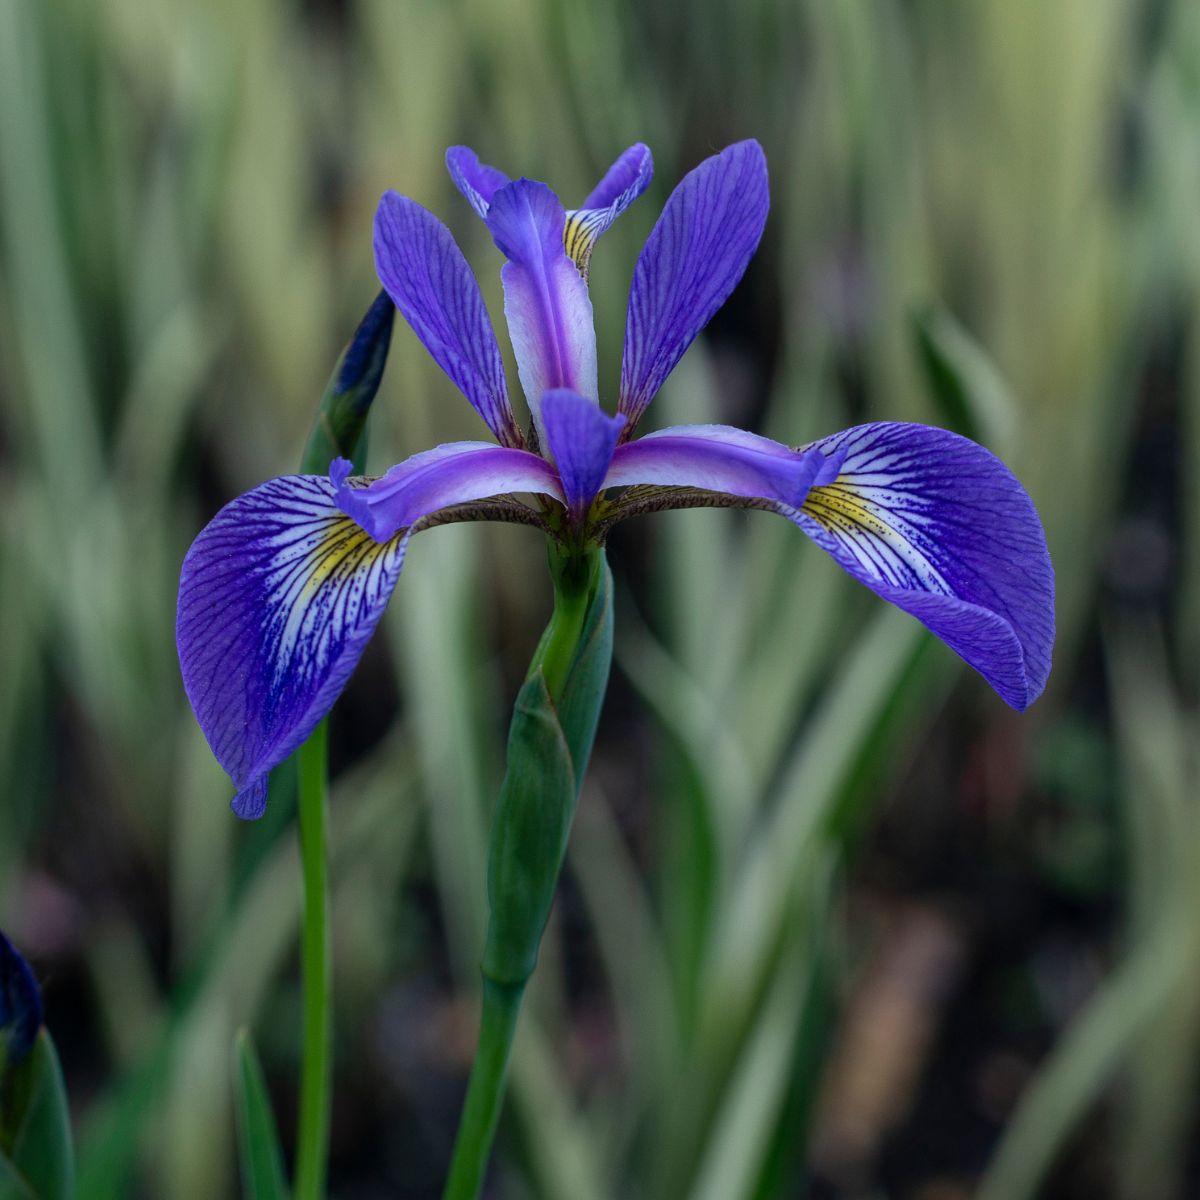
834	922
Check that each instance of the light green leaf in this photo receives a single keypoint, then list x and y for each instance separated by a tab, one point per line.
258	1138
965	383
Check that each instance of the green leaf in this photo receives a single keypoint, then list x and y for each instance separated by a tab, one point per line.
38	1163
529	834
965	383
549	746
12	1186
258	1139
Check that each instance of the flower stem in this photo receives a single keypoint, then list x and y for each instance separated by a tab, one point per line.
312	1148
485	1092
550	741
574	583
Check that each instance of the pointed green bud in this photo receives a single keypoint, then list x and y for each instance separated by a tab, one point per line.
340	425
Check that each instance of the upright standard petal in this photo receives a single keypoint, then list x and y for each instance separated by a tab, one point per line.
719	458
581	437
428	279
622	184
277	598
694	257
476	180
545	297
455	473
940	527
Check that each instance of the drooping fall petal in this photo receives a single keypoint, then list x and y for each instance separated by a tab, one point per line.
278	596
943	529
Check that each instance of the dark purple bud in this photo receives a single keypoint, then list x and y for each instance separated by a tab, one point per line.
20	1006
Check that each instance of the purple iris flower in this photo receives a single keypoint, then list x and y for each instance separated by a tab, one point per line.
281	591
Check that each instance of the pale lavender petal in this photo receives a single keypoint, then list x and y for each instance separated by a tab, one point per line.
428	279
622	184
277	598
692	260
476	180
940	527
581	437
719	458
545	297
455	473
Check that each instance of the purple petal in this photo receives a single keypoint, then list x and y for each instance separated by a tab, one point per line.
622	184
424	272
20	1006
455	473
545	297
719	458
477	181
625	180
692	260
581	437
941	528
277	598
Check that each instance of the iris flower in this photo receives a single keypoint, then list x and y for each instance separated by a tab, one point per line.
281	591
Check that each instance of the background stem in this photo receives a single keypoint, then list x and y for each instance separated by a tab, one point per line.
312	1146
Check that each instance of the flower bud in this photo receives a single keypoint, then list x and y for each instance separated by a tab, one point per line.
340	421
20	1006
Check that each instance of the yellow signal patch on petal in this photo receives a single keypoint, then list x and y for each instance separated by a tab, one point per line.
343	548
581	232
882	531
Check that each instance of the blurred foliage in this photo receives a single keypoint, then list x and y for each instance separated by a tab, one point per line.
984	215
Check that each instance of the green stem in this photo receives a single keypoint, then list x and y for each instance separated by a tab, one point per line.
546	760
485	1092
312	1148
574	579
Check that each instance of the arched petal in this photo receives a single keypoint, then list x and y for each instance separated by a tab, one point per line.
622	184
545	297
277	598
624	181
454	473
693	258
940	527
429	281
477	181
719	458
581	437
